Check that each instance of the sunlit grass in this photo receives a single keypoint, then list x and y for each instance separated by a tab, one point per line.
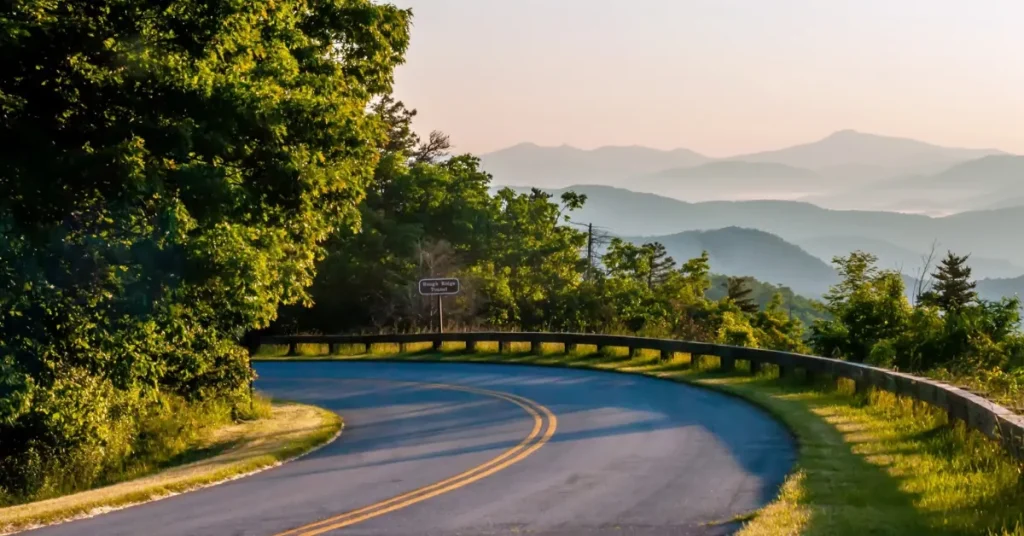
867	464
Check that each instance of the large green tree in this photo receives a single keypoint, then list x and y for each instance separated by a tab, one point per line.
866	307
169	172
953	288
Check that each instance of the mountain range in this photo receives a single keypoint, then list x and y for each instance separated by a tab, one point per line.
848	148
847	169
989	235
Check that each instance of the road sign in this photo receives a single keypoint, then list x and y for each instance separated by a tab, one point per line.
439	286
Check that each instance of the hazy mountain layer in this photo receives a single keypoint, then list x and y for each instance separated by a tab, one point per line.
748	252
992	234
841	160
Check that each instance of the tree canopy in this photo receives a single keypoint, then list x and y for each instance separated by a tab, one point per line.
170	172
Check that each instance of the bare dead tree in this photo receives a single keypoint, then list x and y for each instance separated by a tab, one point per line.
924	278
435	148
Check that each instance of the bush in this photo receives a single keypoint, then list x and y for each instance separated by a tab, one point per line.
134	441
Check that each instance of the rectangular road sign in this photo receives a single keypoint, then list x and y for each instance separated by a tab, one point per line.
439	286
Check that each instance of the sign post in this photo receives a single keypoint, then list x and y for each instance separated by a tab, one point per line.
439	287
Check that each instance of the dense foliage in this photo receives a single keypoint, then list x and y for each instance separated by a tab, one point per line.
170	170
948	331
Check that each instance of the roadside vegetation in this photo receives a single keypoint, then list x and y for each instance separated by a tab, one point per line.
286	430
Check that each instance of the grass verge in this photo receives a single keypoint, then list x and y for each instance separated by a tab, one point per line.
867	464
235	450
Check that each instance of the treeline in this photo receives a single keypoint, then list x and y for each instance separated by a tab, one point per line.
522	266
169	172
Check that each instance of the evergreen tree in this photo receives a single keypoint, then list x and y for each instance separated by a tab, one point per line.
739	292
660	265
953	289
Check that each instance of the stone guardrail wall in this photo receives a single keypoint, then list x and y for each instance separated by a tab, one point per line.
993	420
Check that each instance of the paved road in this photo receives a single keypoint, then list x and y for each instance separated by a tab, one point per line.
628	456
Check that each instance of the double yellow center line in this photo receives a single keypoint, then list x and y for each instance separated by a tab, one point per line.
544	425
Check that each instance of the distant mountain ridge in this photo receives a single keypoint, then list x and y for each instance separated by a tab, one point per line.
993	289
850	147
843	157
996	172
735	251
991	234
988	182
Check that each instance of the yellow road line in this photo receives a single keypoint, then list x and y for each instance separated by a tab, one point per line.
515	454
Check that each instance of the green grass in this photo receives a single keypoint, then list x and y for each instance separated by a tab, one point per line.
868	464
288	430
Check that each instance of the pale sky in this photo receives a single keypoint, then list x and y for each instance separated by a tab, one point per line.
717	76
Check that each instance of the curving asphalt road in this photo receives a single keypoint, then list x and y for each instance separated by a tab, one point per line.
622	455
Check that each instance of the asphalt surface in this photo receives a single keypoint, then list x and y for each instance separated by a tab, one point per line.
630	456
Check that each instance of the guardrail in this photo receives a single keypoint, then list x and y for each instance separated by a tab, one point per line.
993	420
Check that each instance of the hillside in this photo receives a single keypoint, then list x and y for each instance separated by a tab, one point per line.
843	158
891	256
1004	200
989	173
735	251
993	289
990	182
985	234
1010	197
552	167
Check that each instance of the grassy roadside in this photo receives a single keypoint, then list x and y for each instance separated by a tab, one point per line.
874	464
233	451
